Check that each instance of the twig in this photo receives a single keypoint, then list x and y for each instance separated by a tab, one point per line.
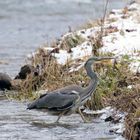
103	19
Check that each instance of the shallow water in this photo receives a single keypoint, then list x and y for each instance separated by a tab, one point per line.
17	123
26	24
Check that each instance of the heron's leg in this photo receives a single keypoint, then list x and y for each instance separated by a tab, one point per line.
60	115
82	116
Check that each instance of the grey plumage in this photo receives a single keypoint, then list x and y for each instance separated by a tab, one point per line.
66	100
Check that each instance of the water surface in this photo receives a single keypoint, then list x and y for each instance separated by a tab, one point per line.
17	123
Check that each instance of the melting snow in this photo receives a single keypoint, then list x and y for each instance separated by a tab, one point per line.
124	41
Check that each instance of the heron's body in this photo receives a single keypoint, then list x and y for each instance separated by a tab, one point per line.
48	101
68	99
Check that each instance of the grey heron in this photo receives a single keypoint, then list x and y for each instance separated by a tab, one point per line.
67	100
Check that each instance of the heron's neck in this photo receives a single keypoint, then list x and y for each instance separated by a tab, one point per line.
90	72
93	82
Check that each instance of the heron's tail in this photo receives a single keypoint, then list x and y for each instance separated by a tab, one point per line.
31	106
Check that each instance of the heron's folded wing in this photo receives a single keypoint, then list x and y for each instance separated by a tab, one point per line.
57	100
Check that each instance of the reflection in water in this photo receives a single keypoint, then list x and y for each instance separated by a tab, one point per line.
52	125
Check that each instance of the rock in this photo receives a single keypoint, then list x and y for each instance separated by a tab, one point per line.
113	119
110	118
25	70
5	82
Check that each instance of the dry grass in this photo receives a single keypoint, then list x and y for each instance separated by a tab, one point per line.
126	99
71	41
90	24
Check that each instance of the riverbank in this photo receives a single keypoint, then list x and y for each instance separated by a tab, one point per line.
62	64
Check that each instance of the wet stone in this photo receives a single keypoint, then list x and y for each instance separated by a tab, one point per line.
5	82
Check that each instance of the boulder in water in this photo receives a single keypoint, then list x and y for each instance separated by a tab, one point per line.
5	82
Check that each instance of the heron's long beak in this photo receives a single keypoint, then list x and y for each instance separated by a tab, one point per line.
105	58
106	61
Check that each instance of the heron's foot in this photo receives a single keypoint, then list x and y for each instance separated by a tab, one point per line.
57	121
83	117
86	120
60	115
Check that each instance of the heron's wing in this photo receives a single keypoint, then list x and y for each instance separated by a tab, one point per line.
55	100
43	95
